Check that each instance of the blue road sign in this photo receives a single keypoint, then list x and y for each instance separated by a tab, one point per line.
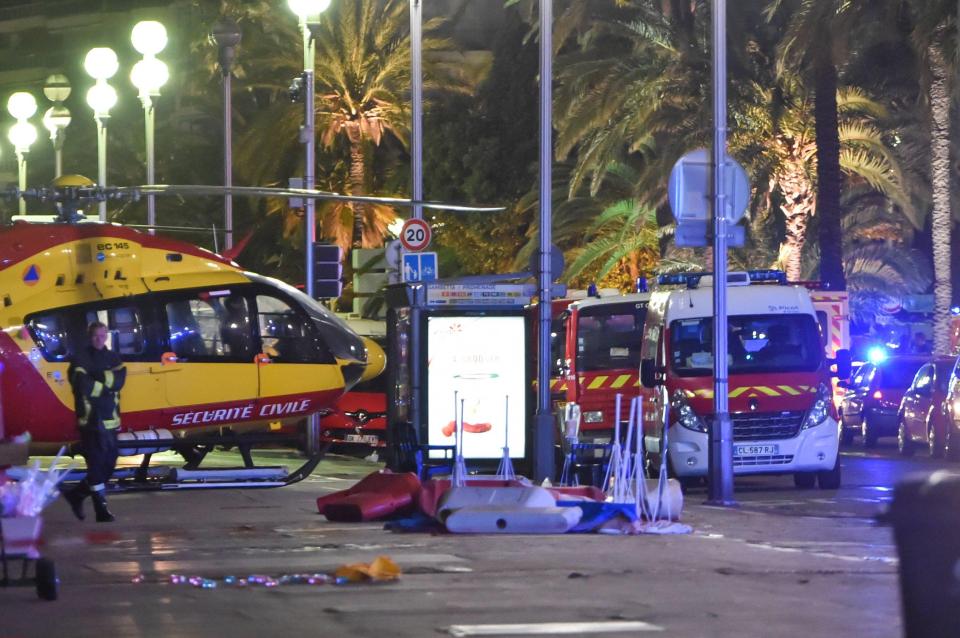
420	267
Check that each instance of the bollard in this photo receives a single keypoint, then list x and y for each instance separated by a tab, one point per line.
925	514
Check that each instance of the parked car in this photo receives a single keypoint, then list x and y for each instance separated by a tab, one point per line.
951	405
871	402
923	416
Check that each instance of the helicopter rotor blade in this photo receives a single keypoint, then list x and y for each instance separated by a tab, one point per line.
263	191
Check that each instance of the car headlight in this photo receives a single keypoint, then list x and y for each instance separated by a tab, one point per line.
820	410
684	414
594	416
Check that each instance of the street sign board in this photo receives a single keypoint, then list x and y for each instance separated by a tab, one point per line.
420	267
698	233
479	294
415	235
689	188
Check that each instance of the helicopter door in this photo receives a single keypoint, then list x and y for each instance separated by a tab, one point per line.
291	381
141	401
208	368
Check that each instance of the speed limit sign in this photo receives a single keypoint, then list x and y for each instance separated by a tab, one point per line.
415	235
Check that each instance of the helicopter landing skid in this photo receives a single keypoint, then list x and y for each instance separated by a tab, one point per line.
191	476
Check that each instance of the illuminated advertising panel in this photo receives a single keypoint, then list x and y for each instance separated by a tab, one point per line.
483	361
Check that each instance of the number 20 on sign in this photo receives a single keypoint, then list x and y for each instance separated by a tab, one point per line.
415	234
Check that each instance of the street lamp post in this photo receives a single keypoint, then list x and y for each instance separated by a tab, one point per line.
22	106
543	462
101	64
148	75
57	118
308	11
226	35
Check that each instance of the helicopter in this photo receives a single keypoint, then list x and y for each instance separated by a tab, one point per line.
212	351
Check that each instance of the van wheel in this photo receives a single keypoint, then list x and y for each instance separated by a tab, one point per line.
805	480
830	479
904	444
868	432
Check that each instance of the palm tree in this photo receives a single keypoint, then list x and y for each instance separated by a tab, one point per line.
786	121
362	76
828	23
935	40
877	272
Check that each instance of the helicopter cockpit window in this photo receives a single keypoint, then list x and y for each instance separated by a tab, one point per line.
285	334
194	329
210	327
235	328
50	332
125	331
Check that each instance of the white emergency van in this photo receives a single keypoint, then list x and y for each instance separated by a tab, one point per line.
784	420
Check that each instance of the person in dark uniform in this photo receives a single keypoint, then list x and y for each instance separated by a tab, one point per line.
97	376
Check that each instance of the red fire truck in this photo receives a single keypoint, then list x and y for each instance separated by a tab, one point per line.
360	415
601	357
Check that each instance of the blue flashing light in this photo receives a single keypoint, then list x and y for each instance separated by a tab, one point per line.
592	291
642	285
877	355
688	279
768	275
955	310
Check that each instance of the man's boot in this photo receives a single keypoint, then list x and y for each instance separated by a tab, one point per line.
74	498
100	507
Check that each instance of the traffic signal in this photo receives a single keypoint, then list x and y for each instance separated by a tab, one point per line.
327	270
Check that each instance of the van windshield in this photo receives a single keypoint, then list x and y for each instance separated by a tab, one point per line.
609	336
756	343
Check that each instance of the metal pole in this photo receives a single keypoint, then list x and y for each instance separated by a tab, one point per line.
416	168
102	161
228	153
58	152
22	182
308	138
416	98
148	113
544	423
721	429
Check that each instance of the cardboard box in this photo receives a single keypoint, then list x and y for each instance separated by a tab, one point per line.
21	535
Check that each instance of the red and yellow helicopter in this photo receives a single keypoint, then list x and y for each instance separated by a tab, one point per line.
207	345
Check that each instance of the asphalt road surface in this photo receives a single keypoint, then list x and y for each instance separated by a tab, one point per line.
784	563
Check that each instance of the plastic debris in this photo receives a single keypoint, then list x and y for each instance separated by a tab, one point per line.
505	470
38	489
380	570
377	495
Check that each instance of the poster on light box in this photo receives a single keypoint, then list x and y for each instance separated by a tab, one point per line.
483	361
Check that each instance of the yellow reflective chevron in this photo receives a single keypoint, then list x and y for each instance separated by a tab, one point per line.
620	381
754	391
597	382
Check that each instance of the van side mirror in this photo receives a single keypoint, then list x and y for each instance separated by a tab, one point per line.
648	373
844	364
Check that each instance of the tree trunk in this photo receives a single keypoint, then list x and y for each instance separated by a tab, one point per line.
357	171
828	172
941	218
799	204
